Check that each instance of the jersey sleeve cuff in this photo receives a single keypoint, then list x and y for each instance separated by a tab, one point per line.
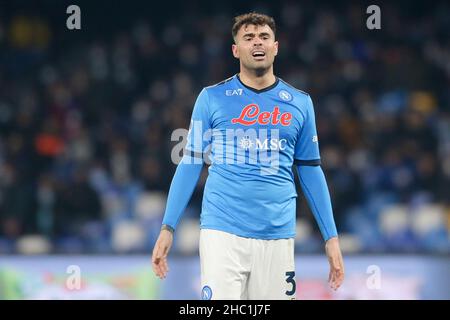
313	162
193	154
168	228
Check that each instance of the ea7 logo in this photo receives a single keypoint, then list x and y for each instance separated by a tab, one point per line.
237	92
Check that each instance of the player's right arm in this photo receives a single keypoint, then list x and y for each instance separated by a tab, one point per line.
180	192
183	183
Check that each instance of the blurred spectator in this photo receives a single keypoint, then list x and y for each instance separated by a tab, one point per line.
76	204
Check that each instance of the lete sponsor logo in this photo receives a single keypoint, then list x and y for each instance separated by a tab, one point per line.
250	115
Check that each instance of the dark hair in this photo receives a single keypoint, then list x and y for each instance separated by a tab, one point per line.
258	19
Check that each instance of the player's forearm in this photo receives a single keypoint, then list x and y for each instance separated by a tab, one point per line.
315	189
183	184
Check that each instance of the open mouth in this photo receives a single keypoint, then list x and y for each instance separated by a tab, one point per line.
258	54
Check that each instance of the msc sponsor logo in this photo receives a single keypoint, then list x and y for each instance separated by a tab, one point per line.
265	144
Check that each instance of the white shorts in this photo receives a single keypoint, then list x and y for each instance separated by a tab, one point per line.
234	267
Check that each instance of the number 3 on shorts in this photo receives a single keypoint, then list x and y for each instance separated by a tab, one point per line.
291	279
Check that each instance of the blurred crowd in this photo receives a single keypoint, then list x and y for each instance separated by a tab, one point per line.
86	119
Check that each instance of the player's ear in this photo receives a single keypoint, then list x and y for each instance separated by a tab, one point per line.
235	51
276	47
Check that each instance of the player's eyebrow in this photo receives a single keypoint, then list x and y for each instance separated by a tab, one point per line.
252	35
264	34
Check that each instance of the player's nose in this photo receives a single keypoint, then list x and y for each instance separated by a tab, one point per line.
257	41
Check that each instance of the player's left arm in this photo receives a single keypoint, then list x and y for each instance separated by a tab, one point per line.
315	189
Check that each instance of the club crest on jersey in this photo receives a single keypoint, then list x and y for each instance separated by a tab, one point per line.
250	115
236	92
284	95
206	293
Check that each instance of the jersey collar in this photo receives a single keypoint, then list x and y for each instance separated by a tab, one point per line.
260	90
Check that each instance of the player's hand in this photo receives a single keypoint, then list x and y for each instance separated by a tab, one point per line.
334	255
160	252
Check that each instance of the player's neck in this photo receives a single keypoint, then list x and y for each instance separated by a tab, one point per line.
255	80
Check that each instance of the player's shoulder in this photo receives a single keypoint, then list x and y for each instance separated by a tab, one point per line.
216	91
295	91
299	99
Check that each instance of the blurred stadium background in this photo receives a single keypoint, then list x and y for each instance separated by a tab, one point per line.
86	118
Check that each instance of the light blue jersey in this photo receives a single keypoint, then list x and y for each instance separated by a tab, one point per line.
254	137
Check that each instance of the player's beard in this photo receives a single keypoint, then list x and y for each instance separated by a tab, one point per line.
258	68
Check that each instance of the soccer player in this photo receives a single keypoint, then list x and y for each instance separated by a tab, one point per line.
252	127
